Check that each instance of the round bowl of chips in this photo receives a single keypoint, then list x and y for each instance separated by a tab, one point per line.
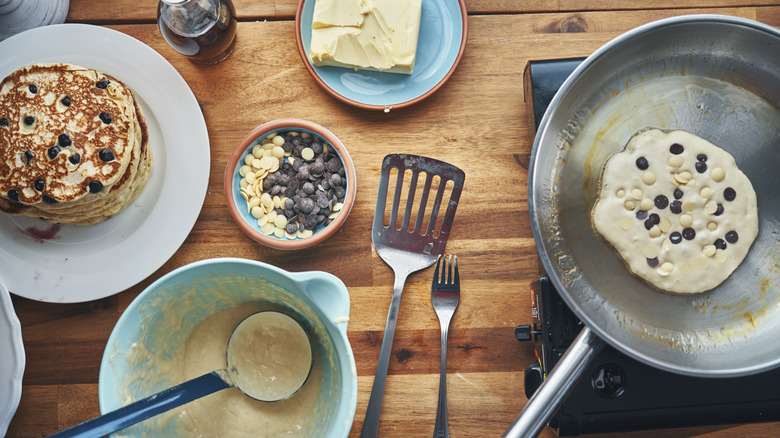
290	184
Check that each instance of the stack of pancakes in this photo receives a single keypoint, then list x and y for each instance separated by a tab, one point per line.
73	144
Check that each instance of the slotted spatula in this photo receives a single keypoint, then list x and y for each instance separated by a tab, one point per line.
407	250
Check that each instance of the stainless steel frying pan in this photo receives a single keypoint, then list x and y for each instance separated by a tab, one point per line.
717	77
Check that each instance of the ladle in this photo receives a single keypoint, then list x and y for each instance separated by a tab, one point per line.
251	369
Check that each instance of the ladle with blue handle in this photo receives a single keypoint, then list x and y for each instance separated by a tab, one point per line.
239	374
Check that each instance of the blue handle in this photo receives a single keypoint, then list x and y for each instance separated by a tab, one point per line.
150	406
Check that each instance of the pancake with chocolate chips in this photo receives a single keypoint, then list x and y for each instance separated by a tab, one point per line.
677	209
73	143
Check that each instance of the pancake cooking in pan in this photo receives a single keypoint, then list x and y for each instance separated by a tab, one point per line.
73	144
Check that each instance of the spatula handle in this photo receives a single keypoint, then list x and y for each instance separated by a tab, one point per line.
371	422
145	408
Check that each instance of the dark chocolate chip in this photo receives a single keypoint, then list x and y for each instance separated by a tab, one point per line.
74	159
719	210
641	215
65	101
29	120
701	157
64	140
661	201
13	195
49	200
103	84
732	237
720	244
678	193
28	157
675	237
106	155
675	207
701	166
95	186
4	122
642	163
676	149
33	88
653	262
39	184
688	233
729	194
652	220
105	117
53	151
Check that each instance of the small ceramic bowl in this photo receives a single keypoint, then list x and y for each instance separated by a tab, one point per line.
154	338
334	214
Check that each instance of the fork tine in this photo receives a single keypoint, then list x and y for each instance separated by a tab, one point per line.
436	272
449	269
457	276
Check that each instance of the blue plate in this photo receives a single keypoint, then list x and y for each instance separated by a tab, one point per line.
443	33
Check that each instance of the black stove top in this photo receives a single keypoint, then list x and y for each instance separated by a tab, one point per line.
617	393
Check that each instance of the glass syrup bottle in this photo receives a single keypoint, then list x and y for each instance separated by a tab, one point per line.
202	30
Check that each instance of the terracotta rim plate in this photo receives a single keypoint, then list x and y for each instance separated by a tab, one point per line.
440	47
12	360
68	264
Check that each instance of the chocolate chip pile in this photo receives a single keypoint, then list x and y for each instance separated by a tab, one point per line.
293	183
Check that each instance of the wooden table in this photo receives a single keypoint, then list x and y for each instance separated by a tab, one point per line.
477	121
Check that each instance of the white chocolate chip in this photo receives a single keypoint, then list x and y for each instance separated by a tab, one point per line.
650	252
636	194
701	263
718	174
648	178
665	269
720	256
710	207
708	250
646	204
712	226
686	268
655	231
307	154
665	225
688	206
675	161
620	193
686	220
705	192
630	205
626	223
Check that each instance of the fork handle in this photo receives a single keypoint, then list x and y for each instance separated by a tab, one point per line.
371	422
441	430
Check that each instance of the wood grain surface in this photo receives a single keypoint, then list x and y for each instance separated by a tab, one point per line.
476	121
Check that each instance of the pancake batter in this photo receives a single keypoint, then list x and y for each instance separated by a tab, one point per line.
677	210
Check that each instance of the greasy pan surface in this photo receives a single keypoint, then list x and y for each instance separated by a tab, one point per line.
714	76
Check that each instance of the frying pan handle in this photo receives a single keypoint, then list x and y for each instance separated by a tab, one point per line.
556	386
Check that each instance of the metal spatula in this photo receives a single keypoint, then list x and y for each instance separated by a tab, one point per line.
409	249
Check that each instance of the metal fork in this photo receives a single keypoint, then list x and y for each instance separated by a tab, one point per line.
445	294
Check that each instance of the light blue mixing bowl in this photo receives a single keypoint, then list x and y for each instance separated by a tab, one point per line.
318	300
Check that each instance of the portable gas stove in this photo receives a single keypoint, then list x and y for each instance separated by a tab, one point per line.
617	393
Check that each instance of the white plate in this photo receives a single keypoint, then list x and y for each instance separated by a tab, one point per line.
68	264
11	361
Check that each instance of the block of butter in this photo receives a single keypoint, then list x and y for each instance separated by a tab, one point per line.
366	34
